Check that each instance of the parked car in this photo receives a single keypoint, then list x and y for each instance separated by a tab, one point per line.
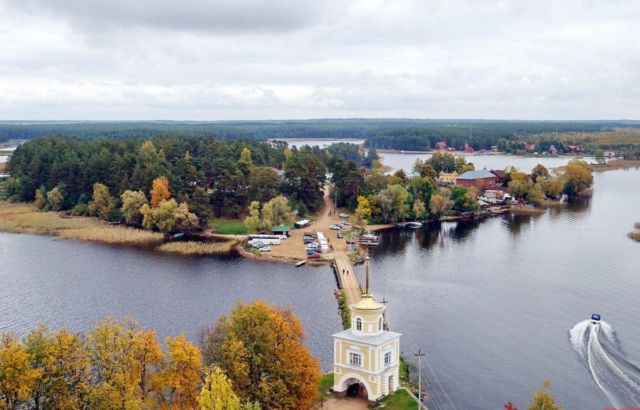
314	256
265	249
340	235
308	240
257	244
345	223
335	227
343	215
311	252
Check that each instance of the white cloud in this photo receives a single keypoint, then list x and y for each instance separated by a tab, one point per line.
207	60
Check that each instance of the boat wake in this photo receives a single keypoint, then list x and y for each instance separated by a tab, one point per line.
600	352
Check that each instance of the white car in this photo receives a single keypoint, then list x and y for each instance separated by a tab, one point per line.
265	249
335	227
343	215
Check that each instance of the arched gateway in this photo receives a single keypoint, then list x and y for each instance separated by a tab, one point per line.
366	357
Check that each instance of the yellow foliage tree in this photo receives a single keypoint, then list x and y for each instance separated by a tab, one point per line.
180	375
159	191
17	378
216	392
258	340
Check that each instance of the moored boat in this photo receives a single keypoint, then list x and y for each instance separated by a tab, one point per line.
414	225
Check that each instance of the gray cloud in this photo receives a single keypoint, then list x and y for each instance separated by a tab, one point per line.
189	15
542	59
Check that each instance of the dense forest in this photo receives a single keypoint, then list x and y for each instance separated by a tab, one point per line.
401	134
213	177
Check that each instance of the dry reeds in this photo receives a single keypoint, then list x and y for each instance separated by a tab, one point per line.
635	235
26	218
113	235
198	248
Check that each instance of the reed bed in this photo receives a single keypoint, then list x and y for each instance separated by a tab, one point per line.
193	248
26	218
113	235
635	235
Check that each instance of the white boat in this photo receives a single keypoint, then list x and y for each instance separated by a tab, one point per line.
414	225
369	237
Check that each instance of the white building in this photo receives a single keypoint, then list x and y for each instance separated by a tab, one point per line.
366	359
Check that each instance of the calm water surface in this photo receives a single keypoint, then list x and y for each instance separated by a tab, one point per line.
488	161
63	283
491	303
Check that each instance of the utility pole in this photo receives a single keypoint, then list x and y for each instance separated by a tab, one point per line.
419	355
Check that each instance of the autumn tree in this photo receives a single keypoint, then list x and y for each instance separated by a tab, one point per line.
552	187
419	210
441	203
55	199
17	378
180	375
159	191
362	213
539	171
543	400
578	177
277	212
393	203
261	350
132	201
41	198
216	392
170	217
101	205
253	221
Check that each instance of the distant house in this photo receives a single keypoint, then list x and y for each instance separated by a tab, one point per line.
610	154
528	146
441	145
553	150
494	148
447	177
575	148
481	179
468	149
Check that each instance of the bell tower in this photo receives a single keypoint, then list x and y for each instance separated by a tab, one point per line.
366	357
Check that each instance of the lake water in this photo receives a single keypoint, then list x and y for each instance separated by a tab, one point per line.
322	143
64	283
488	161
490	303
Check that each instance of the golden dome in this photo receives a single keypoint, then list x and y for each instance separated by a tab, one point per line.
367	302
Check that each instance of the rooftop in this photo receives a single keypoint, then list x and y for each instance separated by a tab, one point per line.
478	174
370	339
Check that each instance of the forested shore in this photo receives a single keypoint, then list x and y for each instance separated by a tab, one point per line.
397	134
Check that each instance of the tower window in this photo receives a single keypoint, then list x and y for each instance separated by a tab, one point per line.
387	358
380	323
355	359
358	324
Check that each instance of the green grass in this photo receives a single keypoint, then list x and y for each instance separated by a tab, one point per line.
403	371
400	400
344	308
324	388
228	226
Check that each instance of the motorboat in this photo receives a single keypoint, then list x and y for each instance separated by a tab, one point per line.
300	263
369	237
595	319
414	225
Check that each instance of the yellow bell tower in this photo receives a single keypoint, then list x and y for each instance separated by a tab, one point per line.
366	357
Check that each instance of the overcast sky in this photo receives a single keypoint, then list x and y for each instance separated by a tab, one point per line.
252	59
